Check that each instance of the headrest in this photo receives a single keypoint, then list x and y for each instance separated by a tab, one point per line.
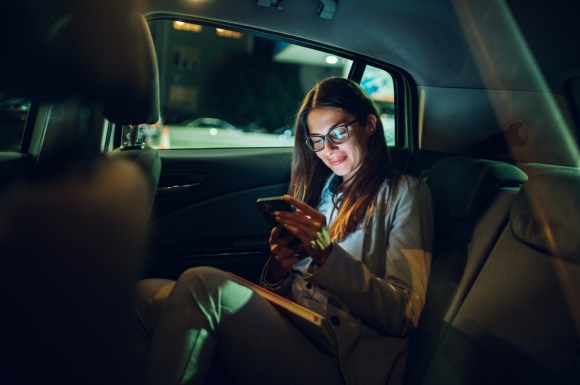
130	102
461	186
98	50
545	214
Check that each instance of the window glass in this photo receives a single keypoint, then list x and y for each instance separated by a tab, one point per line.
378	84
13	115
223	88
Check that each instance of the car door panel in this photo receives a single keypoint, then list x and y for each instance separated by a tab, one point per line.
205	210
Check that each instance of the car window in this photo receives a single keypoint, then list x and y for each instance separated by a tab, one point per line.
13	115
221	88
378	84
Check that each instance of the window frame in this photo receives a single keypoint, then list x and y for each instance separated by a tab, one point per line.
405	90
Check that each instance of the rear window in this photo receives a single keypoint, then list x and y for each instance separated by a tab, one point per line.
223	88
13	115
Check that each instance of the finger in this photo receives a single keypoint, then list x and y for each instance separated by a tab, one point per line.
305	234
304	207
275	233
274	240
298	220
284	239
279	235
281	248
298	232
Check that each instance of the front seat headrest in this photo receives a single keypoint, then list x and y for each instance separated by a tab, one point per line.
100	51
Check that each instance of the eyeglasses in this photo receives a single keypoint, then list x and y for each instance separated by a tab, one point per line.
336	135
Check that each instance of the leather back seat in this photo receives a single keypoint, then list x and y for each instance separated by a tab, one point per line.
471	200
520	320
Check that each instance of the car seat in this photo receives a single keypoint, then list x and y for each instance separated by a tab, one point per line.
73	228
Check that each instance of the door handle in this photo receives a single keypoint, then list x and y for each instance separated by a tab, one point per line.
180	188
179	183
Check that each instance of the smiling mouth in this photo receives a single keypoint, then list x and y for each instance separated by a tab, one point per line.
335	161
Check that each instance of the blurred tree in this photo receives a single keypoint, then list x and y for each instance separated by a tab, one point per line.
254	90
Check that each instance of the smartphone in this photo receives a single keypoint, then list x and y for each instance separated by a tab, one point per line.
270	204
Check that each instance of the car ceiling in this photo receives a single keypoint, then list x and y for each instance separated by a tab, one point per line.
430	39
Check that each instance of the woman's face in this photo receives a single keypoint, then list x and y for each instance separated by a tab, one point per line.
346	158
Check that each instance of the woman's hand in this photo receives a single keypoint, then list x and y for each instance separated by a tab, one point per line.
308	225
286	250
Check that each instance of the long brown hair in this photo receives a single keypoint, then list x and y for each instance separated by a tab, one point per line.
309	173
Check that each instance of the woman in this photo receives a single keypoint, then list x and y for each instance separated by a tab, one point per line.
362	262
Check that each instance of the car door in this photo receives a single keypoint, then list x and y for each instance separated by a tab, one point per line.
228	101
205	211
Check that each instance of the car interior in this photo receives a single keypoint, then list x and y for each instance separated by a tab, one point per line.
136	137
